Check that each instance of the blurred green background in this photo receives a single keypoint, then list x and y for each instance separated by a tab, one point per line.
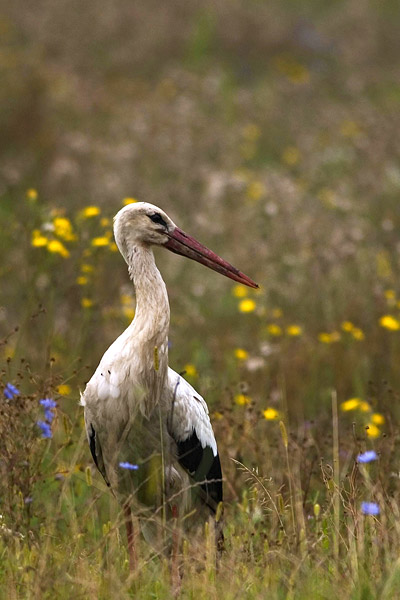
268	130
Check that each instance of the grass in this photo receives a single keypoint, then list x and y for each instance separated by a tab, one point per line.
270	132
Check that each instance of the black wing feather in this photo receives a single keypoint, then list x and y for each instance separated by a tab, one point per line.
204	467
97	455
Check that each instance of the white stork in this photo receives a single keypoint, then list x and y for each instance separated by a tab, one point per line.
137	409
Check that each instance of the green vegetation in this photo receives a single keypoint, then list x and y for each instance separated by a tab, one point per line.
269	131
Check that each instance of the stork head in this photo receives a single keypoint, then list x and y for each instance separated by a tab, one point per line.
141	223
146	224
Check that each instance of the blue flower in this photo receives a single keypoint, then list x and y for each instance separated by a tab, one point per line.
48	403
129	466
367	456
48	415
10	391
370	508
46	429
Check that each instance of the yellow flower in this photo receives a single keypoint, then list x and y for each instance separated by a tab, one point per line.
329	338
377	419
63	229
347	326
325	338
241	354
255	190
191	370
327	197
299	74
127	201
100	241
32	194
104	221
350	404
389	322
63	389
90	211
294	71
113	247
251	132
294	330
239	290
372	430
384	265
126	299
350	129
364	406
247	305
271	414
274	329
128	306
277	313
57	247
242	399
358	334
82	280
129	312
217	415
38	240
86	303
390	294
85	268
8	351
291	155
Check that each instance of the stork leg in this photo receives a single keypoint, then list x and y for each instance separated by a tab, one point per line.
131	535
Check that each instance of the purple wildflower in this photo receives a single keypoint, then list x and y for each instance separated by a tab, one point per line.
48	403
49	415
46	429
367	456
10	391
370	508
129	466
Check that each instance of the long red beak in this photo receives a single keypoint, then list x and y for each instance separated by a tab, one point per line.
183	244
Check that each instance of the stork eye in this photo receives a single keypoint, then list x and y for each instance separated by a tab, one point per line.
157	218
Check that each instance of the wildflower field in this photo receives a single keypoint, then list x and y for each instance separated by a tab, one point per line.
271	132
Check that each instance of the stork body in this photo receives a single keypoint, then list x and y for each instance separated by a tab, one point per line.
137	409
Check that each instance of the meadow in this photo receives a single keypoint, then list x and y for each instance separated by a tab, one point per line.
270	131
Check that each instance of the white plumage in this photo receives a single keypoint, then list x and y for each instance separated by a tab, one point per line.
137	409
190	412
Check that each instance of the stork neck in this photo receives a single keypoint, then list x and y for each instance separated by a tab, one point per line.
152	313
